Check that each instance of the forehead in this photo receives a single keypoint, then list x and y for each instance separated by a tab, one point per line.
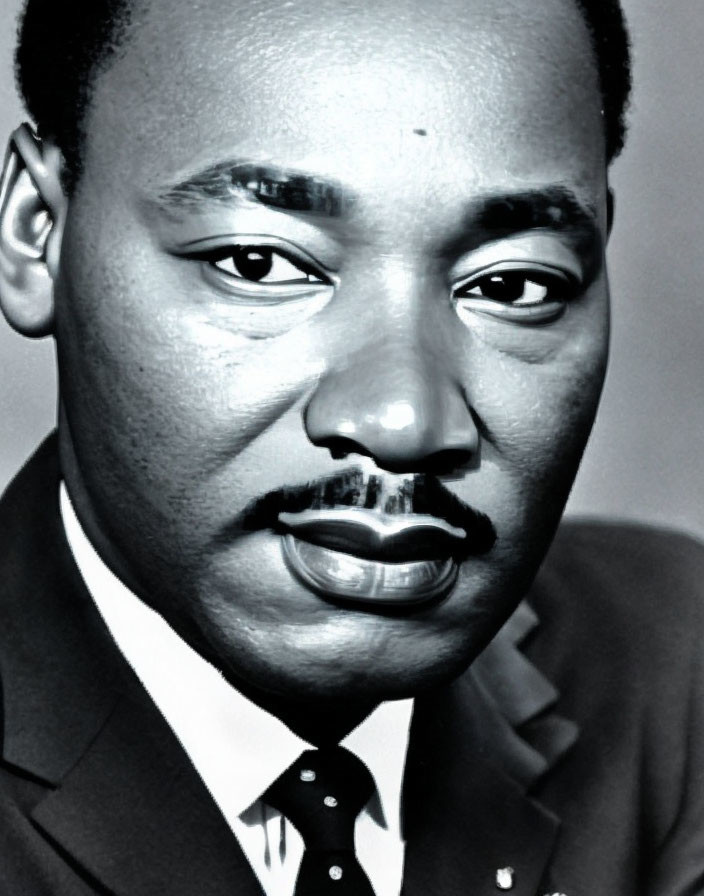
477	89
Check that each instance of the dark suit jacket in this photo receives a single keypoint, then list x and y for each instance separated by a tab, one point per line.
593	791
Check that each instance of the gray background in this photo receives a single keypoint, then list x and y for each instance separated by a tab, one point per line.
645	459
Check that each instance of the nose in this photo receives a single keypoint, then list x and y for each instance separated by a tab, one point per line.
400	406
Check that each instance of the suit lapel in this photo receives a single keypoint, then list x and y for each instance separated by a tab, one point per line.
134	815
60	674
123	801
465	817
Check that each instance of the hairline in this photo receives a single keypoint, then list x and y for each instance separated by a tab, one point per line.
116	43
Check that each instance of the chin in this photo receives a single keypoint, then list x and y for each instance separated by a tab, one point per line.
350	678
329	652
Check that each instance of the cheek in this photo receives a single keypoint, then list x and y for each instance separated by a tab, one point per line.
122	370
538	387
160	393
542	420
535	417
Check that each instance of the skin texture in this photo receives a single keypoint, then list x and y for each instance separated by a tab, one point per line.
181	402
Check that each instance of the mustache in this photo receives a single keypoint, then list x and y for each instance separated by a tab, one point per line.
421	493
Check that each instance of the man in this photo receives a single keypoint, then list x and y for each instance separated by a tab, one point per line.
328	292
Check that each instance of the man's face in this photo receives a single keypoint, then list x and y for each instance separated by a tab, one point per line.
315	238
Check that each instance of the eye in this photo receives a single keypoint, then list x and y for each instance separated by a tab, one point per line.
263	264
511	286
535	295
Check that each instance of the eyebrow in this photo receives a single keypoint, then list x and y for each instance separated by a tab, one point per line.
553	208
281	188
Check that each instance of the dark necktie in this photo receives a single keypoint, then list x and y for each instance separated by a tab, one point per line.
322	794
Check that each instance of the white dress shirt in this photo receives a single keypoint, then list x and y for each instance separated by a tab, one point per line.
238	748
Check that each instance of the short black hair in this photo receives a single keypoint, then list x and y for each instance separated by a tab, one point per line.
612	47
63	44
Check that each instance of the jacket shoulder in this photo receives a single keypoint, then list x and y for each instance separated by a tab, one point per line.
623	581
621	639
621	611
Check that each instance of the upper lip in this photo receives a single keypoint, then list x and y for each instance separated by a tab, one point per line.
374	535
364	514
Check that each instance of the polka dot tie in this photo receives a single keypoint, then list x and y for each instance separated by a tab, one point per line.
322	794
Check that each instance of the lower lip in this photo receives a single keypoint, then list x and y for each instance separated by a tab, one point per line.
345	578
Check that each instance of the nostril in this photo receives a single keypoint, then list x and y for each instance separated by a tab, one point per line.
448	461
445	462
340	447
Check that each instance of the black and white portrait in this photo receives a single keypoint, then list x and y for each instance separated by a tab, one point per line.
352	400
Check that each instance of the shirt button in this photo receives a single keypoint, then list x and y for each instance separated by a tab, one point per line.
307	775
330	802
335	872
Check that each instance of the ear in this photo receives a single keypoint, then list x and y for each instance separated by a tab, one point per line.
32	216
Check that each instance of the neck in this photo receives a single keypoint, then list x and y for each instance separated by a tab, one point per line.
323	722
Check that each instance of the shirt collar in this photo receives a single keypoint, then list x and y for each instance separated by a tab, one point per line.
238	748
381	742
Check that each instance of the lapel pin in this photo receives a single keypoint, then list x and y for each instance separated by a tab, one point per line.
505	878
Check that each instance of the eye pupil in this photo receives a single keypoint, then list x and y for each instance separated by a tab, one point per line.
504	287
252	262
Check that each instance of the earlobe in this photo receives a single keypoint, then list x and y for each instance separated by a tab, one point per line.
32	214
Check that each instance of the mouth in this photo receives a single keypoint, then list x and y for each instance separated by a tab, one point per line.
361	539
366	557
